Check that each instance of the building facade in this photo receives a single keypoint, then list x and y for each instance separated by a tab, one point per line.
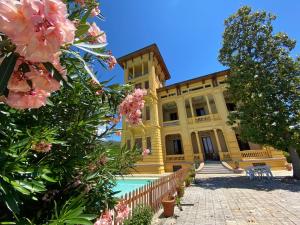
185	123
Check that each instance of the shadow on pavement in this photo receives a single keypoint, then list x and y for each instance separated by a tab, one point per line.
244	182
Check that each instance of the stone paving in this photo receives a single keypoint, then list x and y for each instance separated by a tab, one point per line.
235	200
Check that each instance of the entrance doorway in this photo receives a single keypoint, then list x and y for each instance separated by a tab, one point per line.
208	148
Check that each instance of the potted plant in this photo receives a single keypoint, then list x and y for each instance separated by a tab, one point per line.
188	181
237	168
192	174
178	203
180	190
289	166
168	205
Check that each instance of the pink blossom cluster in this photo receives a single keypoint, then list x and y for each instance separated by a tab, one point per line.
122	211
98	35
132	105
146	152
38	28
42	146
105	219
30	85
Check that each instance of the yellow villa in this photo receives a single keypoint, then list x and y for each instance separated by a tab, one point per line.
185	123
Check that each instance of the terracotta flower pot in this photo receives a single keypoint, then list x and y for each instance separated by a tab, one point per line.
289	166
168	204
238	170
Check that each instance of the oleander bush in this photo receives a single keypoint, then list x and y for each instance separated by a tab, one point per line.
141	215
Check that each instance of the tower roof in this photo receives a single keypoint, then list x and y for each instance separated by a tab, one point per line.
151	48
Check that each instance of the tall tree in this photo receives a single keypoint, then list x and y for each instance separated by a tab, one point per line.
264	81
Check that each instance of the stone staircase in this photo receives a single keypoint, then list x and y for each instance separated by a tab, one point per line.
214	167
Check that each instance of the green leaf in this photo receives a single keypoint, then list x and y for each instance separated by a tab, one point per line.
86	16
33	186
86	67
78	221
6	68
47	178
9	199
82	29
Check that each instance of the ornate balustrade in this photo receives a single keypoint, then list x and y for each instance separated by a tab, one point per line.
171	123
174	157
250	154
205	118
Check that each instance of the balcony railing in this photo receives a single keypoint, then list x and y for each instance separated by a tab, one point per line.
253	154
174	157
171	123
205	118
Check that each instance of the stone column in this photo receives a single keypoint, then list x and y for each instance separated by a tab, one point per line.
217	140
191	106
187	145
199	146
208	105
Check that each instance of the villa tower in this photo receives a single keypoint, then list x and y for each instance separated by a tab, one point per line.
146	69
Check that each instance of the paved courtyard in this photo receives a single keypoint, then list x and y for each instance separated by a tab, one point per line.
235	200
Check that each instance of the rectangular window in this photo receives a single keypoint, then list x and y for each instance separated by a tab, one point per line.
200	112
177	146
138	70
145	67
138	85
146	84
130	73
138	143
147	112
149	144
173	116
128	144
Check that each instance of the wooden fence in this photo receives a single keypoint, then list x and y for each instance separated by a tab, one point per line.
153	193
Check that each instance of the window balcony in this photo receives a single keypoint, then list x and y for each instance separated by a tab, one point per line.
204	118
171	123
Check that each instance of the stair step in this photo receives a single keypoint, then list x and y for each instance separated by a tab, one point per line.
214	168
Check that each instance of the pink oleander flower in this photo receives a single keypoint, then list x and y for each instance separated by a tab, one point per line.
30	88
122	211
132	105
146	152
119	133
111	62
99	92
27	100
95	11
42	146
38	28
97	33
105	219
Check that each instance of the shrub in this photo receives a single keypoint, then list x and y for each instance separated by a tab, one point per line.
188	181
142	215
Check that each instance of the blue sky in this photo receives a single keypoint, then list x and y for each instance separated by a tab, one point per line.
187	32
